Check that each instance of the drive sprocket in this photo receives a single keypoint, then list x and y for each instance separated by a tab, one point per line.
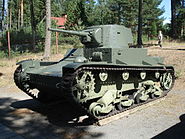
83	85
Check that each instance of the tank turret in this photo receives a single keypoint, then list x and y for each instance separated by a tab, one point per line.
106	36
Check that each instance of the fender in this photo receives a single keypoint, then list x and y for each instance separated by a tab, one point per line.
23	61
71	67
30	63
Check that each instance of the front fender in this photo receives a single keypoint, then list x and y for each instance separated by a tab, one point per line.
28	64
23	61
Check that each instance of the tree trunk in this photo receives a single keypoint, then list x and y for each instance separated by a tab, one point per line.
173	19
22	13
10	13
119	13
19	15
183	3
139	36
2	20
182	31
33	25
47	48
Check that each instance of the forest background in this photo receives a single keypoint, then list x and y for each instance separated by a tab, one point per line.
26	19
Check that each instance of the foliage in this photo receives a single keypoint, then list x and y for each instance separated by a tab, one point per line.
166	29
178	19
2	54
82	13
114	12
181	18
1	5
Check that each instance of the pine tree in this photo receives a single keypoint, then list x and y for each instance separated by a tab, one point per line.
173	21
33	25
48	33
1	5
180	18
2	9
152	19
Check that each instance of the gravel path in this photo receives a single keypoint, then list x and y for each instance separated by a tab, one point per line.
31	119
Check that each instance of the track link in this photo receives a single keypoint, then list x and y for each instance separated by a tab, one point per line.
21	83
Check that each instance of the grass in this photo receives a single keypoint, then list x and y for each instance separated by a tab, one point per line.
3	64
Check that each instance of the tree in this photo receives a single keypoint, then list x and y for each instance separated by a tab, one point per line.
178	18
76	12
140	21
2	6
48	33
22	12
152	19
33	25
173	21
98	14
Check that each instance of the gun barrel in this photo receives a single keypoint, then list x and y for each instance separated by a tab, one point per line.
78	33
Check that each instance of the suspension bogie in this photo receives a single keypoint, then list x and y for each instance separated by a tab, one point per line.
115	89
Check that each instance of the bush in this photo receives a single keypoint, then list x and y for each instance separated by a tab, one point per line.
2	54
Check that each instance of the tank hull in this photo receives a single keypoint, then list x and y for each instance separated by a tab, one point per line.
104	78
101	89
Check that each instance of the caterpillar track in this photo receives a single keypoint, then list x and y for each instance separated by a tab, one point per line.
69	82
22	82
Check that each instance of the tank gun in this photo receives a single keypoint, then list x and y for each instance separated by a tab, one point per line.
85	36
78	33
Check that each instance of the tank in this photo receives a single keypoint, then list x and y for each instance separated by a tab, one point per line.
105	77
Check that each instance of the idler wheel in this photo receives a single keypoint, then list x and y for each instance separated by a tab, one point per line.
21	80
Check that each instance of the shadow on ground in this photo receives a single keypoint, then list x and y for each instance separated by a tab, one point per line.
151	45
32	119
175	132
174	49
145	45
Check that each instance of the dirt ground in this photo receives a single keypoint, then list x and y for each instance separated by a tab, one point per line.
175	56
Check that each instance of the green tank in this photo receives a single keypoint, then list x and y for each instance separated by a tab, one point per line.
105	77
